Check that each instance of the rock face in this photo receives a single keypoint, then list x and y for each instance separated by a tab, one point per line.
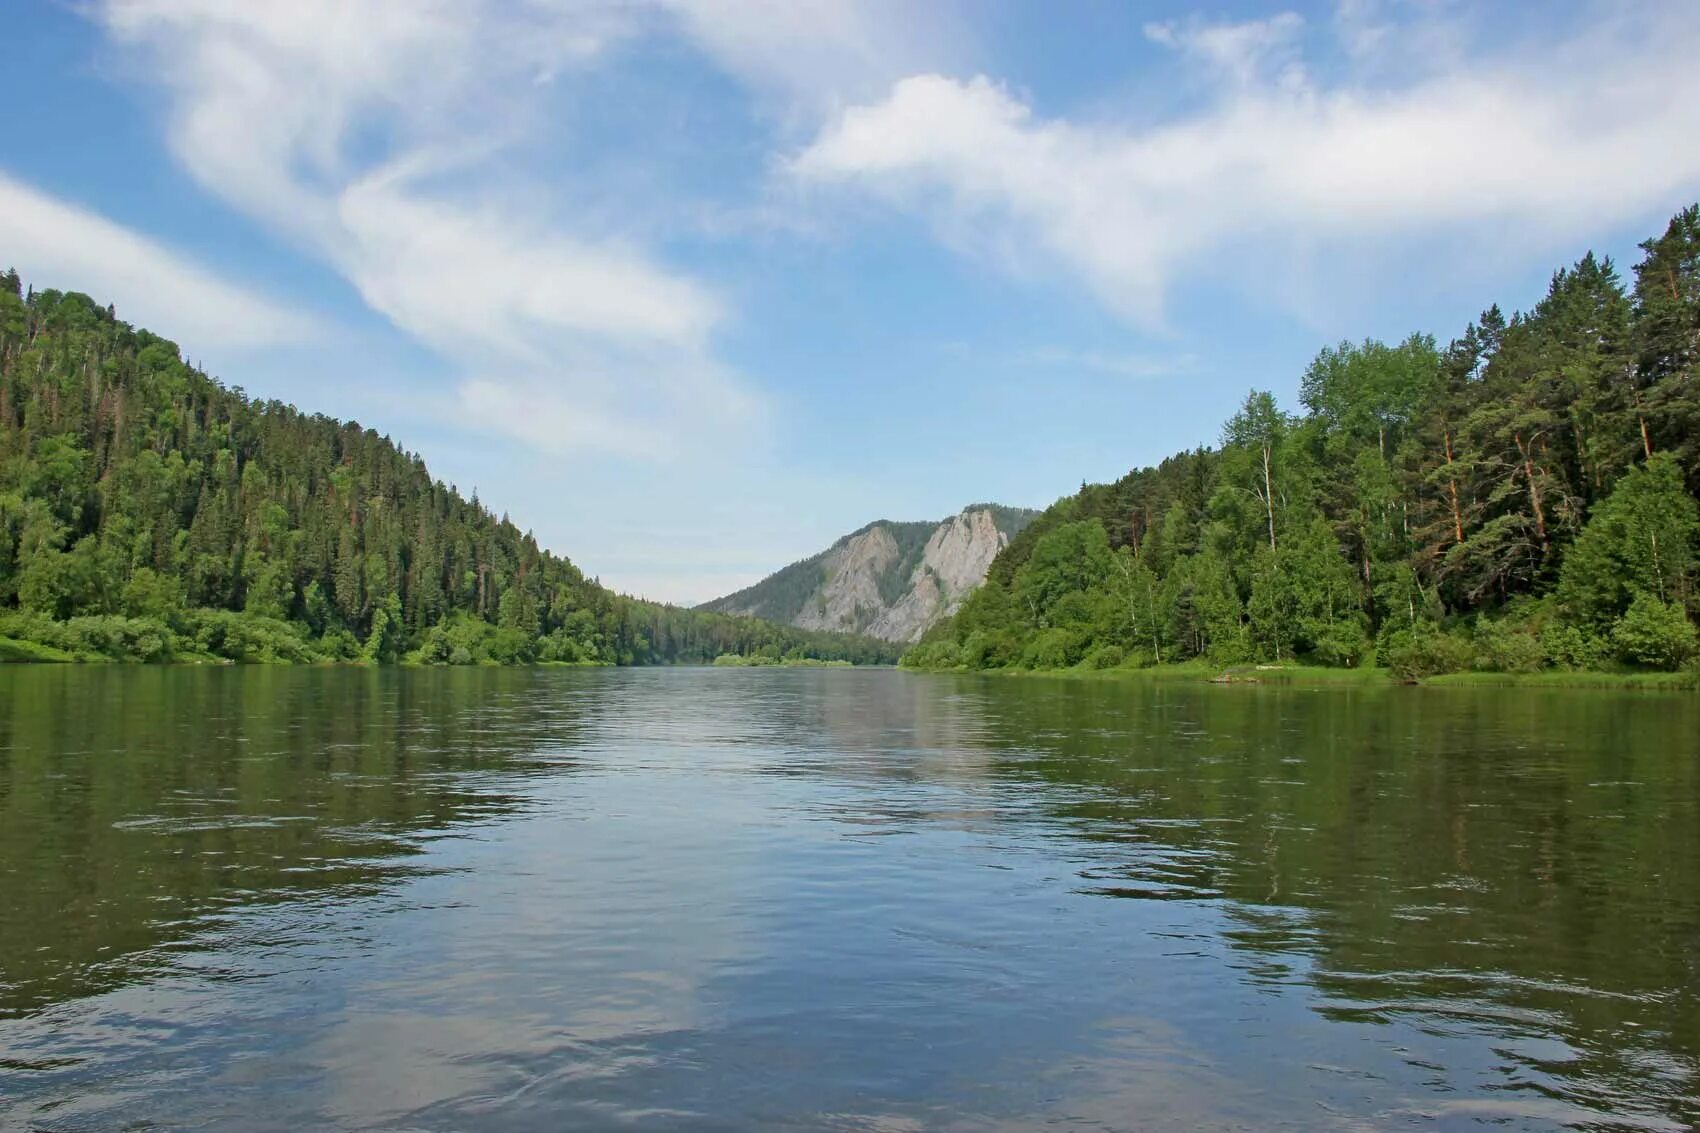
888	580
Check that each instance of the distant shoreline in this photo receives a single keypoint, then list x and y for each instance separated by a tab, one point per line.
1368	676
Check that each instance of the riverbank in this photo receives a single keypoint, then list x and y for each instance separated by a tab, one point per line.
1366	676
758	661
20	651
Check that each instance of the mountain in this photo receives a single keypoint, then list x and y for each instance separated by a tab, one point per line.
887	580
149	513
1523	498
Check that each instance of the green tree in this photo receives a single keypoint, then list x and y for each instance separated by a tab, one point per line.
1666	343
1641	540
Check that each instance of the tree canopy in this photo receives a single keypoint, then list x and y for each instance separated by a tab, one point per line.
1524	497
148	512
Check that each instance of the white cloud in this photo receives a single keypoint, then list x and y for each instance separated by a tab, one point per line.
382	138
1546	138
821	51
55	244
1238	51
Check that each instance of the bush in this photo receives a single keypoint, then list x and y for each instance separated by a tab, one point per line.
1426	651
1570	647
339	644
1105	657
30	625
1654	633
1507	646
1341	644
12	649
986	650
250	637
933	655
94	636
1051	649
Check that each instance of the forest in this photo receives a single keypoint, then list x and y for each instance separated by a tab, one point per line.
149	513
1521	499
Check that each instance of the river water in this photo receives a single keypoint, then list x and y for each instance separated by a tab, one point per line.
507	899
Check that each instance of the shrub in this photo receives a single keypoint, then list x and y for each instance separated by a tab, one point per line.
988	650
1341	643
1426	651
94	636
249	637
1570	647
933	655
1507	646
1105	657
1654	633
1051	649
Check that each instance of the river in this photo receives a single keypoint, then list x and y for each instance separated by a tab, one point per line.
511	899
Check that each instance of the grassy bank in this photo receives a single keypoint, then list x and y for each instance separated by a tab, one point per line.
1370	676
12	649
1558	678
757	661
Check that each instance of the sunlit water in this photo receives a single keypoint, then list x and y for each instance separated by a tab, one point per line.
265	899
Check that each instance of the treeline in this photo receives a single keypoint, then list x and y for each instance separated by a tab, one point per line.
1519	499
149	513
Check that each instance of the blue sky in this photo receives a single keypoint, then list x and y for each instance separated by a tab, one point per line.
691	288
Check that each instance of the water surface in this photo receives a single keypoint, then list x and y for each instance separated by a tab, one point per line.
728	899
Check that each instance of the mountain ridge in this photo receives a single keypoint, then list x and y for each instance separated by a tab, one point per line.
890	579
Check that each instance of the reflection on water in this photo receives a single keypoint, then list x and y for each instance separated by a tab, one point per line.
725	899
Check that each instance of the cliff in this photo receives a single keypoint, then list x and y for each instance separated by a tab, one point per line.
887	580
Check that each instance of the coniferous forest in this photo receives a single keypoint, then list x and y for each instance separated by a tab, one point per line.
149	513
1522	498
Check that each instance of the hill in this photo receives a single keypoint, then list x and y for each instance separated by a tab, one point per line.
1523	498
889	580
149	513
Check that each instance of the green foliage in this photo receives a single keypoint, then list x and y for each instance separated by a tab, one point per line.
1105	657
934	655
1509	645
148	513
1655	634
1530	488
760	660
1641	540
1570	647
1426	651
1071	560
1051	649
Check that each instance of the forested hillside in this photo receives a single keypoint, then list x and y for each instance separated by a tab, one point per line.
147	512
1521	498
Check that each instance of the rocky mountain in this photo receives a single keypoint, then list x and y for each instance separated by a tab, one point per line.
888	580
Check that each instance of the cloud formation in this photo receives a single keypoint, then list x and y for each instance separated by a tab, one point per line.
55	244
1277	160
381	138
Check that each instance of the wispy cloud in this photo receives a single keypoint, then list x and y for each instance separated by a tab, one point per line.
1124	365
57	244
817	53
382	138
1539	137
1241	51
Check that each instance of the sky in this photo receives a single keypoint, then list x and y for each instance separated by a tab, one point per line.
690	288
